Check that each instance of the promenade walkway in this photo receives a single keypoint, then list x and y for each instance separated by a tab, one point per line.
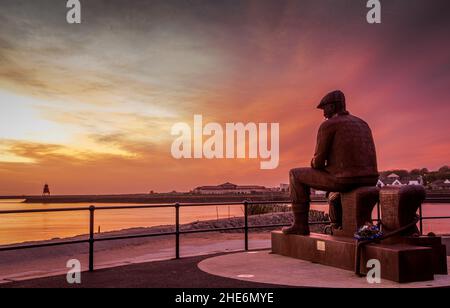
254	269
183	273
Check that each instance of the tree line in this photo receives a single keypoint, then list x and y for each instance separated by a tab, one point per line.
428	176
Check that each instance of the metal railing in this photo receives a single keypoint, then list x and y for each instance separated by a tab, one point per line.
92	209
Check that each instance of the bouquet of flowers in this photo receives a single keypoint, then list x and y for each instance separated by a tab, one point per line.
368	232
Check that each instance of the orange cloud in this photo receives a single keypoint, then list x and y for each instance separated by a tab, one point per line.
103	97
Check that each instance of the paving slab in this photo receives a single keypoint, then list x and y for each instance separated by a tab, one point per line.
265	267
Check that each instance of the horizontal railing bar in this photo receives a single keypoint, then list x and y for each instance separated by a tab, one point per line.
424	218
286	201
43	245
242	203
437	217
211	204
124	237
124	207
149	206
211	230
319	222
70	209
282	202
268	202
74	209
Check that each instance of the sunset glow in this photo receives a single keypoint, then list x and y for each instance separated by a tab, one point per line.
89	108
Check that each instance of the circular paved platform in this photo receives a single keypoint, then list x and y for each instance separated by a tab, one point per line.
264	267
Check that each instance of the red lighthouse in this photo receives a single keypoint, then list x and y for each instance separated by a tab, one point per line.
46	190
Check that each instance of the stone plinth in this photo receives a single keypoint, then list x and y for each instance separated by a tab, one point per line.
400	262
357	207
439	251
399	206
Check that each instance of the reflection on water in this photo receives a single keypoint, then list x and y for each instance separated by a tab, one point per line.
15	228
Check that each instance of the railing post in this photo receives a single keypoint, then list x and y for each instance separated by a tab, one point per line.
420	220
177	230
246	224
91	238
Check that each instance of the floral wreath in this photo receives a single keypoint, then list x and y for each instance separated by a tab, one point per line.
368	232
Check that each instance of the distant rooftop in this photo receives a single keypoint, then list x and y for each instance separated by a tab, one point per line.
230	186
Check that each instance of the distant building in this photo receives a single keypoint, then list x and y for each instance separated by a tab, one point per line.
440	185
393	176
284	187
319	193
230	188
395	180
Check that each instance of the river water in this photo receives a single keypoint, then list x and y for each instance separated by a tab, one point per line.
17	228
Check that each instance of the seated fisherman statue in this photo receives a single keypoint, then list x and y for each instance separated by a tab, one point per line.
344	159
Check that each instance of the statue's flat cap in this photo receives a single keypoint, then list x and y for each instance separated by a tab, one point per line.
332	98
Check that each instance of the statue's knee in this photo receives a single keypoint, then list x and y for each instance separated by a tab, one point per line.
291	174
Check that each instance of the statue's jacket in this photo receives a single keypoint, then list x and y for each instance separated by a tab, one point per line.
345	148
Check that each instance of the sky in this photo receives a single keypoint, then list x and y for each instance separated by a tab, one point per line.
88	108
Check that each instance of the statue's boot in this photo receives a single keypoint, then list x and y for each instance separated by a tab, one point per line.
335	210
301	214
